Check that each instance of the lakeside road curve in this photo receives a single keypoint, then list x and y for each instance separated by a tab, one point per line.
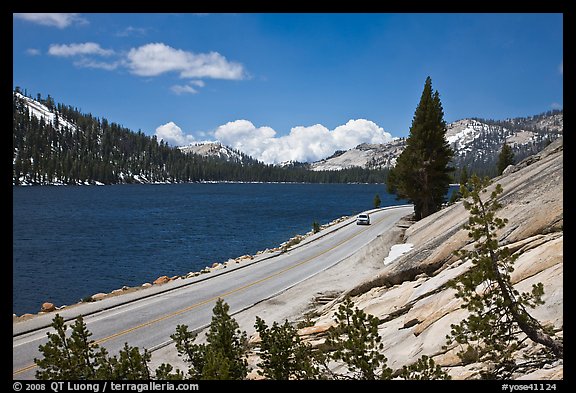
147	318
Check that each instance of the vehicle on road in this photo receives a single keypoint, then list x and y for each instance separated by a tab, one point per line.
363	219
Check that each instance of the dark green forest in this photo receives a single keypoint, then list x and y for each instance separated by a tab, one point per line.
78	148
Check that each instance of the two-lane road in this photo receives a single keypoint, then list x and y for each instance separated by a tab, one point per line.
147	318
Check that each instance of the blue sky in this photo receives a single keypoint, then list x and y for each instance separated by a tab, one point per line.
289	86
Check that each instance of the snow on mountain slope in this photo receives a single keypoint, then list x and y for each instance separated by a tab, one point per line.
475	143
216	150
461	133
41	111
372	156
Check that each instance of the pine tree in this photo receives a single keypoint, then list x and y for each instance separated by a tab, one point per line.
505	158
166	372
422	171
192	354
424	369
78	357
64	357
222	357
357	343
130	365
284	355
498	313
226	338
315	226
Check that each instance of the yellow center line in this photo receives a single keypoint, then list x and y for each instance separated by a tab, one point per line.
214	298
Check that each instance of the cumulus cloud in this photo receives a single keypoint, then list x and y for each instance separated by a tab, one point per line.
157	58
173	135
86	48
58	20
359	131
304	144
244	136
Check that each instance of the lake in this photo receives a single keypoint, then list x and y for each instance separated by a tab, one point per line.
74	241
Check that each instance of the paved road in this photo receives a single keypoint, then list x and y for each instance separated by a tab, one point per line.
147	318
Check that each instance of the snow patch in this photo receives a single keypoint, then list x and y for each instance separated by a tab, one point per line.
41	111
397	251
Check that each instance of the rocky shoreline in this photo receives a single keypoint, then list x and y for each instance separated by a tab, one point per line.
48	307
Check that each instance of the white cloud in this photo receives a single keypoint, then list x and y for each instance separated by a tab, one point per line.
199	83
89	63
187	88
157	58
132	31
33	52
153	60
304	144
359	131
183	89
52	19
244	136
86	48
173	135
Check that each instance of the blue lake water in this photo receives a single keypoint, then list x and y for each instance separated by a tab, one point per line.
72	242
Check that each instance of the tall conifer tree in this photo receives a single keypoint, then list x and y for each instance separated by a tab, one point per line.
422	171
505	158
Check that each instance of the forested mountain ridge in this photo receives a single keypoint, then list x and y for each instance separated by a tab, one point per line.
57	144
477	142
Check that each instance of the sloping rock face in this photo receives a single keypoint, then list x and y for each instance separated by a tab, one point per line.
410	296
370	156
